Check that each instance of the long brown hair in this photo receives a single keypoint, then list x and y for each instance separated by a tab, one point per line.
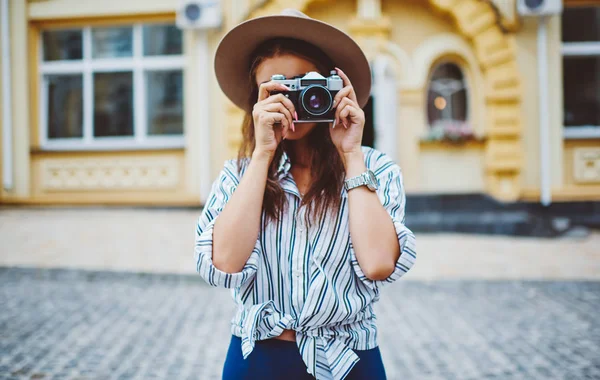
327	169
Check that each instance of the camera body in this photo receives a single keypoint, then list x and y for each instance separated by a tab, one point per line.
312	95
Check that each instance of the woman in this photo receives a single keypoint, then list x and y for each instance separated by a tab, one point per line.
304	250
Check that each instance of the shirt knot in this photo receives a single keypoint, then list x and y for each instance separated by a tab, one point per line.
325	357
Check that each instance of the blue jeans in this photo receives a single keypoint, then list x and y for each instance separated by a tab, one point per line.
276	359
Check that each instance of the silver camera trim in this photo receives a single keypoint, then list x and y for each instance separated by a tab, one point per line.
334	83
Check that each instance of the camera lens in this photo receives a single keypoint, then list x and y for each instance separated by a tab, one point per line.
316	100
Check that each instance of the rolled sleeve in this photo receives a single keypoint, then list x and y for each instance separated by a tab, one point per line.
220	194
392	197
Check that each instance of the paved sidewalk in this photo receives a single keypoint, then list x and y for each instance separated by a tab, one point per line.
58	324
467	314
161	241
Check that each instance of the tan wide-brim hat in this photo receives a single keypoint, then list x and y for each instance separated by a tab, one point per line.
233	55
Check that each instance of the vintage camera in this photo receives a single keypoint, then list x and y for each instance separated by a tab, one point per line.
312	95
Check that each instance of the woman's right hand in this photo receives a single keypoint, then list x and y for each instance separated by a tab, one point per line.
273	117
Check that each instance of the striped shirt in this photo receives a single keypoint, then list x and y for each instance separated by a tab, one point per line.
306	278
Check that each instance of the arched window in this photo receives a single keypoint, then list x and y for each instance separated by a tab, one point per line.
447	96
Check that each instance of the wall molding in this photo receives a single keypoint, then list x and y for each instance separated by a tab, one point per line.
109	174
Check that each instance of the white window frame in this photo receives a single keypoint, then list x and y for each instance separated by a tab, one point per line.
581	49
138	64
465	86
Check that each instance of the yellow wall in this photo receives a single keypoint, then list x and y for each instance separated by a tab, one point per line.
564	185
413	21
419	34
64	13
219	122
20	98
451	169
338	13
422	37
415	29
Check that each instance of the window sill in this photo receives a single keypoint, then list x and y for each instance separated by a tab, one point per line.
437	144
579	133
112	144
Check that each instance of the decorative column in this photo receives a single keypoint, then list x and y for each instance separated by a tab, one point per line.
234	119
369	28
20	99
412	124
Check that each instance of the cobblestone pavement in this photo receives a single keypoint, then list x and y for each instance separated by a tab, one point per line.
161	240
73	324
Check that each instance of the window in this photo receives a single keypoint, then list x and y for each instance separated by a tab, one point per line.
112	87
447	111
581	71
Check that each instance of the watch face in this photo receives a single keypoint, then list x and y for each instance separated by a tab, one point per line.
372	184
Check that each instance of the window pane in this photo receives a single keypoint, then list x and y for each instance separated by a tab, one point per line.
113	104
65	106
62	45
164	102
581	24
162	40
581	81
112	42
447	95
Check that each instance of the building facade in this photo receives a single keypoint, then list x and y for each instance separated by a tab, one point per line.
108	102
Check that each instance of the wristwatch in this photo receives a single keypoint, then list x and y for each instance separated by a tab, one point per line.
365	179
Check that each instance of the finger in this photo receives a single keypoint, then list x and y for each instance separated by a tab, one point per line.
281	98
344	102
265	89
350	113
272	118
343	93
285	130
344	115
340	119
281	127
278	107
264	116
347	82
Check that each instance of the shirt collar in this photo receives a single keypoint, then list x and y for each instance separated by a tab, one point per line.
284	165
283	170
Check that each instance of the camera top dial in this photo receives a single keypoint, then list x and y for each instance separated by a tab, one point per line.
278	77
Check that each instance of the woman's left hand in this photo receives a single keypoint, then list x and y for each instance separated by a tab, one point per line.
347	128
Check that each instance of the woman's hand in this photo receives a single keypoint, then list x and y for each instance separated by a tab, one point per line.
347	128
273	118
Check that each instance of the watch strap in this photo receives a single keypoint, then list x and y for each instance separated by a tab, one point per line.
353	182
361	180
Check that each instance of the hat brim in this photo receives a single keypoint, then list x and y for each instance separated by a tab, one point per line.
232	58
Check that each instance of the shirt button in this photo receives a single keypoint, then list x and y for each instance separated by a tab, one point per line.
297	273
